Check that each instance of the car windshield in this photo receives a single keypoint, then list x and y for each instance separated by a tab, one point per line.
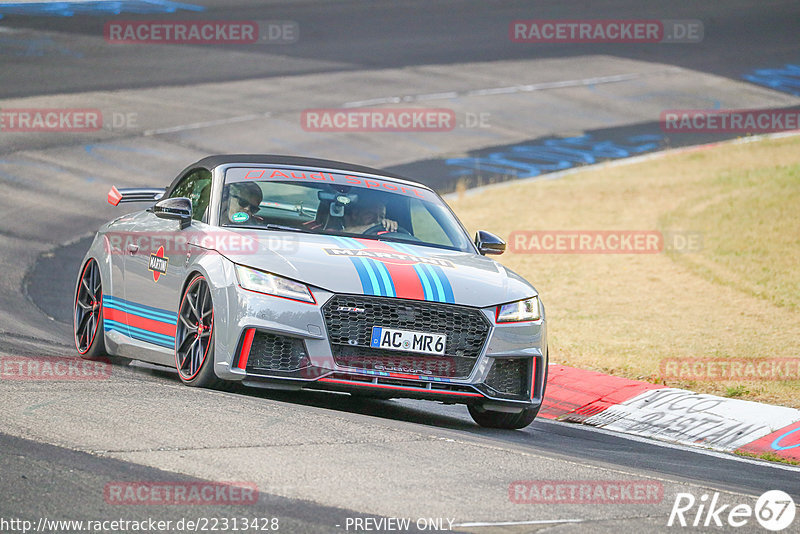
338	204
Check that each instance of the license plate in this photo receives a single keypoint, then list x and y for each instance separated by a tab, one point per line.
407	340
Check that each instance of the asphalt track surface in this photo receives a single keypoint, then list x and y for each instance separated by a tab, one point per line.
355	35
319	458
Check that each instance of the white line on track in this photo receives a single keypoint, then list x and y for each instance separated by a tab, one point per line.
511	523
495	90
207	124
448	95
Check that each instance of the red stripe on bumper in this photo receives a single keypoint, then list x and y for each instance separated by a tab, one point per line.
246	345
400	375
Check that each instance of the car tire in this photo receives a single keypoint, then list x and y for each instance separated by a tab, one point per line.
87	316
510	421
194	336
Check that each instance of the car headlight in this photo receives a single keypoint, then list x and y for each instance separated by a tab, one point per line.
521	310
272	284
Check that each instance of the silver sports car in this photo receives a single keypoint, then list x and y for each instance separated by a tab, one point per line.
287	273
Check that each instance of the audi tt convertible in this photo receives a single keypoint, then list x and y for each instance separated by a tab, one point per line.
288	273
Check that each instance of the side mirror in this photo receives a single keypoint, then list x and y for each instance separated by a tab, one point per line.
178	209
489	243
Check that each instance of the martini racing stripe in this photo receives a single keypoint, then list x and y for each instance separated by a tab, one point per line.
405	249
140	309
435	283
157	327
420	281
406	282
348	242
375	277
140	334
138	321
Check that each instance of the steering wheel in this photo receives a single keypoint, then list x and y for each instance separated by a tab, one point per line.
374	230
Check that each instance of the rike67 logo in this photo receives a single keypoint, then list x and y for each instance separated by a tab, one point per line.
774	511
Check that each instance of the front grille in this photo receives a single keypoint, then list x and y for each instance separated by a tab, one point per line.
509	376
271	352
349	320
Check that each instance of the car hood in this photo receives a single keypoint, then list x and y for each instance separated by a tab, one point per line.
383	268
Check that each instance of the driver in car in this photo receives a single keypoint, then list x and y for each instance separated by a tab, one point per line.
365	214
244	200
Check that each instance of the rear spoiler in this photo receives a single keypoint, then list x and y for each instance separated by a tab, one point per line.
134	194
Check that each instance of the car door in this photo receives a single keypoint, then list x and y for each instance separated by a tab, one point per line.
119	240
155	273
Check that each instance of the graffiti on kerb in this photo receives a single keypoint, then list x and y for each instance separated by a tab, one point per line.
786	79
98	7
551	155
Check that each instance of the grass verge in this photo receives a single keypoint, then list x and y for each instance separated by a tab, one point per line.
737	298
769	456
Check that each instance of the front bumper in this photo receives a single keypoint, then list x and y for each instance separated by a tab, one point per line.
278	343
